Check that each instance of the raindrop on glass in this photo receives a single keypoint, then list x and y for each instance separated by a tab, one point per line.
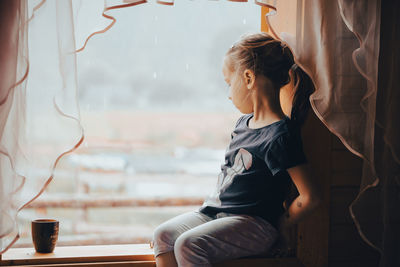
187	66
155	39
244	21
155	75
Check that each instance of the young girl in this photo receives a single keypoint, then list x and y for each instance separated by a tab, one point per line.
245	214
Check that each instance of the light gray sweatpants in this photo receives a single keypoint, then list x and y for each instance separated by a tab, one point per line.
199	240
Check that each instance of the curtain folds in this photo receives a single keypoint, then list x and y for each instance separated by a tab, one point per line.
336	42
338	45
39	119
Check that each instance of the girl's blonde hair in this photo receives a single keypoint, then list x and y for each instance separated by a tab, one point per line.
273	59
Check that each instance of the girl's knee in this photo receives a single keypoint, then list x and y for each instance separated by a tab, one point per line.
191	250
162	233
164	239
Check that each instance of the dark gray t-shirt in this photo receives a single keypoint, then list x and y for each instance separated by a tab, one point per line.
253	179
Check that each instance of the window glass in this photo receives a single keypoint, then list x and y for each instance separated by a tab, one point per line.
157	120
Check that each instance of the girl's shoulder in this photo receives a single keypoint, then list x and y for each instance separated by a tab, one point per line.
281	132
286	136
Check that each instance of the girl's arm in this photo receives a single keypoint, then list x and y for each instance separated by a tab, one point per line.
307	200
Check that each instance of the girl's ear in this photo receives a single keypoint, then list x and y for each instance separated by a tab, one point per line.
249	78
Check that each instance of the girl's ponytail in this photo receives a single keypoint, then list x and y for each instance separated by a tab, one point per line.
303	87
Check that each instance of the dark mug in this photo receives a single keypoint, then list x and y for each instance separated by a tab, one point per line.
44	235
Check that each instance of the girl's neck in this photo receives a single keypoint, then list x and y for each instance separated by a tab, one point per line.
262	118
266	110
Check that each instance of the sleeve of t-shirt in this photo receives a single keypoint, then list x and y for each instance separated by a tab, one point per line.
283	153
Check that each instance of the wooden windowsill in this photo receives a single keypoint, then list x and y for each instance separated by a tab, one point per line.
79	254
137	255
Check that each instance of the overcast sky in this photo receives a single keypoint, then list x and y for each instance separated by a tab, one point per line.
161	57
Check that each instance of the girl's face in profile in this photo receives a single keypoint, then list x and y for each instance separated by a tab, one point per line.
238	92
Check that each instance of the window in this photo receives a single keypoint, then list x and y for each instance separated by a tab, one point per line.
157	119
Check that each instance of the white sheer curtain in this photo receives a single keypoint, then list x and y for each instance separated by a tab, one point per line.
40	119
